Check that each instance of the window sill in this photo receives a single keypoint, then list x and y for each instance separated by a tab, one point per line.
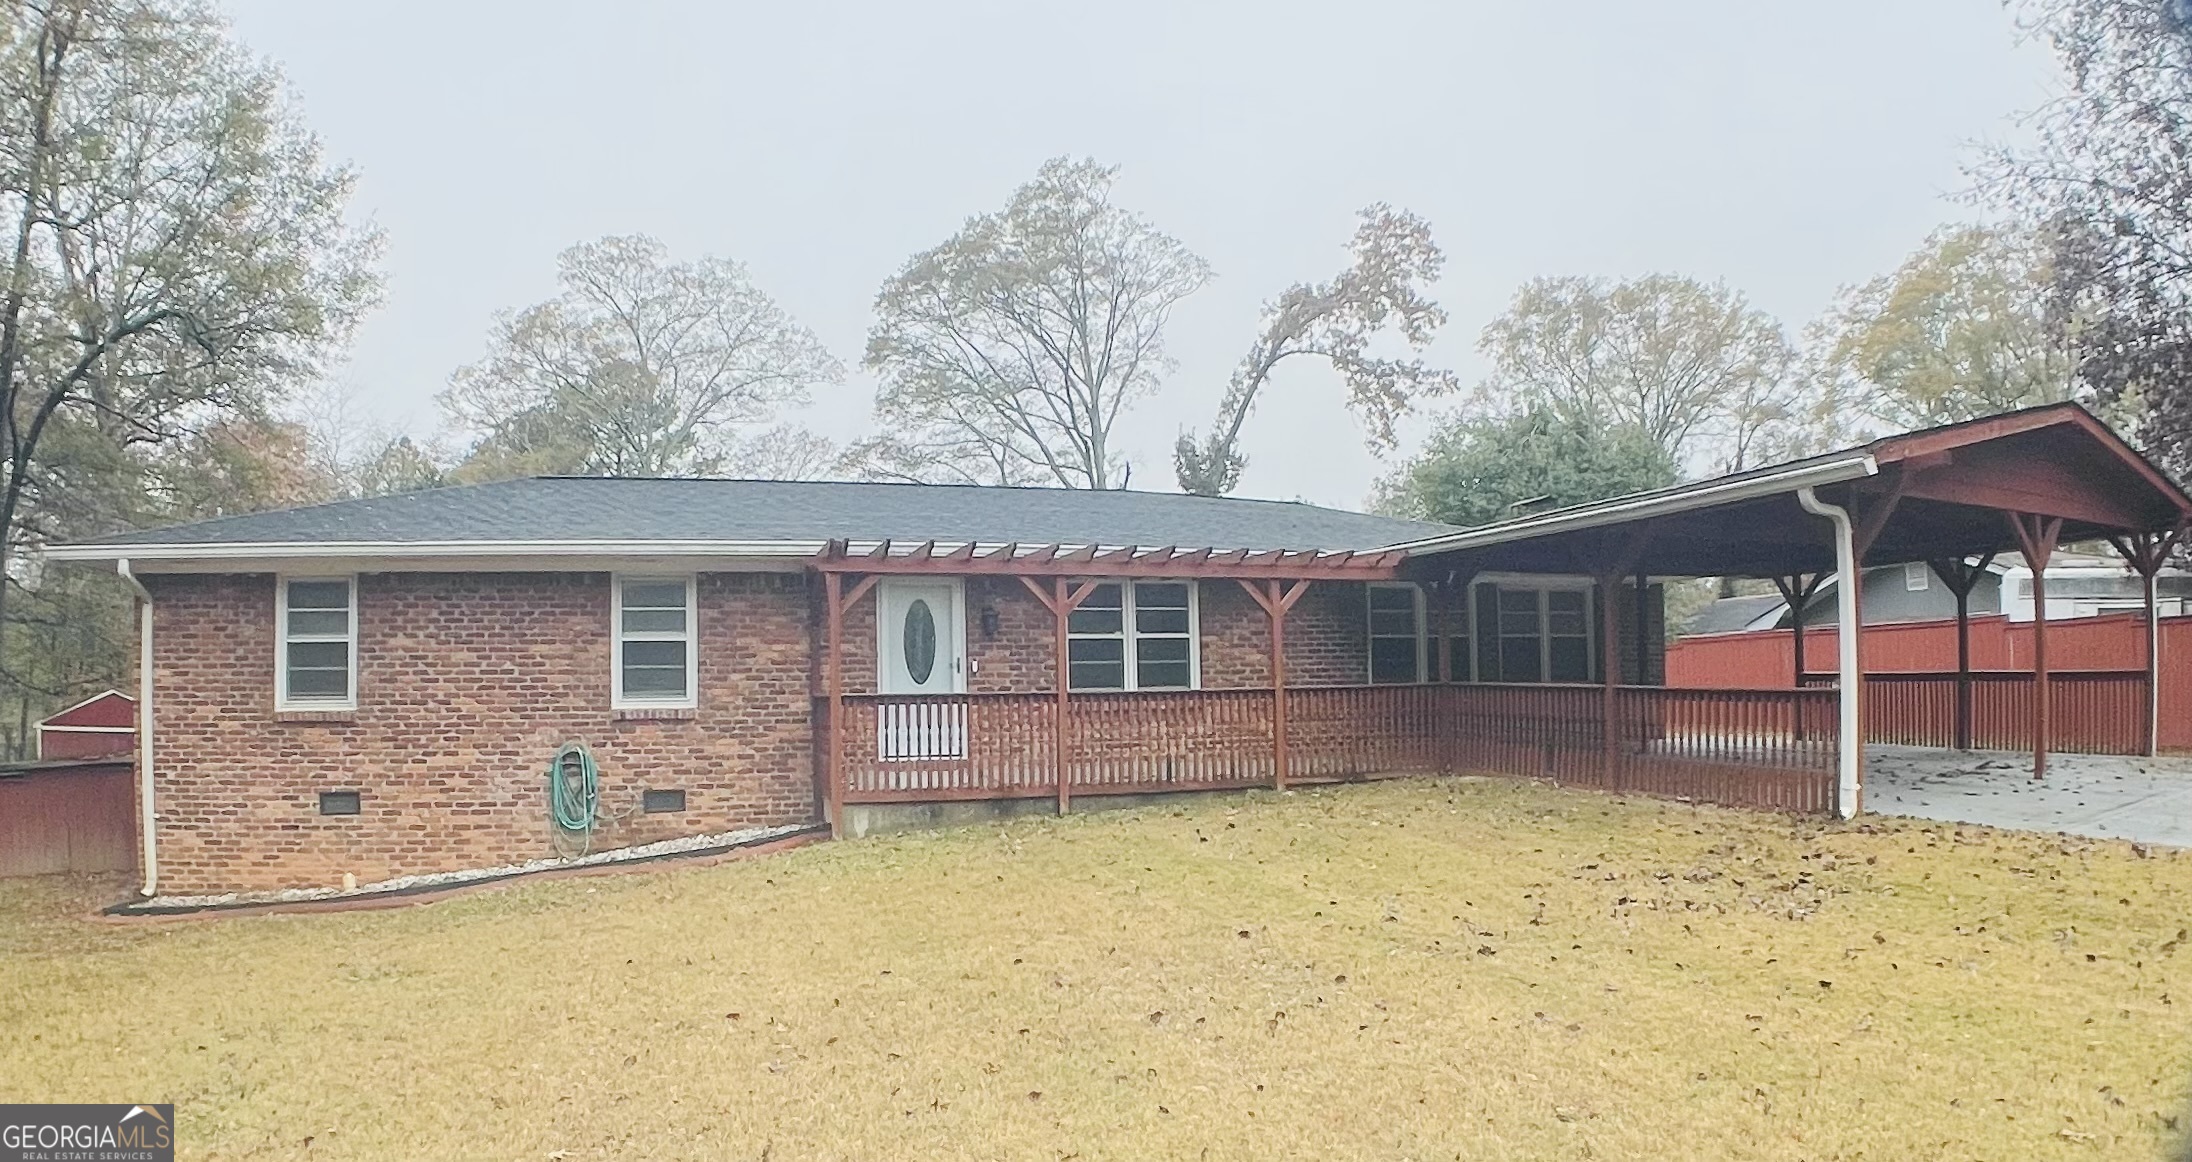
330	714
654	713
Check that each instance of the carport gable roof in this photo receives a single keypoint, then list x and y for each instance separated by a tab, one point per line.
1922	495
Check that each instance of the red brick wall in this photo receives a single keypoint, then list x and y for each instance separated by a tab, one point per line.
467	683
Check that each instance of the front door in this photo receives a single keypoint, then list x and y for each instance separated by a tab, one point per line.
919	646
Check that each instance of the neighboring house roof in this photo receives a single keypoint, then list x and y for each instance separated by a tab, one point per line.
757	515
1736	614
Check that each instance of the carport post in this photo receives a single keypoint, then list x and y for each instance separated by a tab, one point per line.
2036	537
1849	740
2145	553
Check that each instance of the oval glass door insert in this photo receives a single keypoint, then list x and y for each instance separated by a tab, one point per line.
920	642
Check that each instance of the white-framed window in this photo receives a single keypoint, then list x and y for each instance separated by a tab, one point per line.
654	661
1396	633
1917	576
1135	635
316	660
1532	630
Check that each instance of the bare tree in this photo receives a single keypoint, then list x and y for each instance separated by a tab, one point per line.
1691	364
2105	171
1395	261
1960	329
641	367
1008	352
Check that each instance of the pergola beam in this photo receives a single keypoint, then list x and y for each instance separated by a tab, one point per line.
969	559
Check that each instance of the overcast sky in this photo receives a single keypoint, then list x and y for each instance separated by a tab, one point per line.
1787	148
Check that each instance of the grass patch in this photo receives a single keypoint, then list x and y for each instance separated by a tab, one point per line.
1408	970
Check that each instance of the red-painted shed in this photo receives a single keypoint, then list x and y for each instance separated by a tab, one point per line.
101	726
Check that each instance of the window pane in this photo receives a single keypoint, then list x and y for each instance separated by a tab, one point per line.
1161	649
654	681
1519	661
654	654
1392	660
319	595
1392	597
654	620
1158	675
1160	595
1101	613
1571	659
1099	675
325	622
1096	649
654	595
1147	620
1565	611
319	670
332	684
319	655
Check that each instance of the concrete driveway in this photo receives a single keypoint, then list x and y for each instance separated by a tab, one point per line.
2104	796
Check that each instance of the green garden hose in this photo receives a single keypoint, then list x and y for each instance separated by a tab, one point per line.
574	790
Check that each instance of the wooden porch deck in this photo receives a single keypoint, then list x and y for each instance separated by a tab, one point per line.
1770	749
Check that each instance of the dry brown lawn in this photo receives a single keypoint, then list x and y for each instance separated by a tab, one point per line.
1418	970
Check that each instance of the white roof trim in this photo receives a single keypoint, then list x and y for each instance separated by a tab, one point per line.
1665	503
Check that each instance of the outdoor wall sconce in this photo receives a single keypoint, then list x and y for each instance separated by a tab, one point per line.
989	623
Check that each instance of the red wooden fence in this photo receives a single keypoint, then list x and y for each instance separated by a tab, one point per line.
1755	748
67	817
2096	659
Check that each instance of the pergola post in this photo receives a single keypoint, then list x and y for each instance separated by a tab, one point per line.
836	601
1609	667
2036	536
1276	603
2146	553
1615	561
1961	578
833	689
1061	602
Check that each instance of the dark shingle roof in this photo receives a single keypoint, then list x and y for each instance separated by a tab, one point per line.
1732	614
598	509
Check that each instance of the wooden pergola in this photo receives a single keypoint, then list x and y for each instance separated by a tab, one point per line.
1062	577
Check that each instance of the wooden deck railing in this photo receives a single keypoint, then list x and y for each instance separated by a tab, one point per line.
1756	748
2093	711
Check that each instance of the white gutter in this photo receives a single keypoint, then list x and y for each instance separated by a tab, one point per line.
1649	505
1849	743
144	728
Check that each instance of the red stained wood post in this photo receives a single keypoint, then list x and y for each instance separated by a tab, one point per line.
2146	553
1061	602
1276	603
1961	578
837	601
833	686
1609	665
2036	536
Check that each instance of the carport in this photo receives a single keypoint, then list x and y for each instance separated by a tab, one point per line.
1951	497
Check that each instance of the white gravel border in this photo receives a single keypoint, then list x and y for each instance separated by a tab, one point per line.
723	839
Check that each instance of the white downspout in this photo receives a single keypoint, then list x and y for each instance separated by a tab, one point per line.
144	729
1849	743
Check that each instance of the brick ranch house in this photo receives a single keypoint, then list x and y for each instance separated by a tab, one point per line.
370	689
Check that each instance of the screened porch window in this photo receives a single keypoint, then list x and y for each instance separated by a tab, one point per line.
1396	634
1525	633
